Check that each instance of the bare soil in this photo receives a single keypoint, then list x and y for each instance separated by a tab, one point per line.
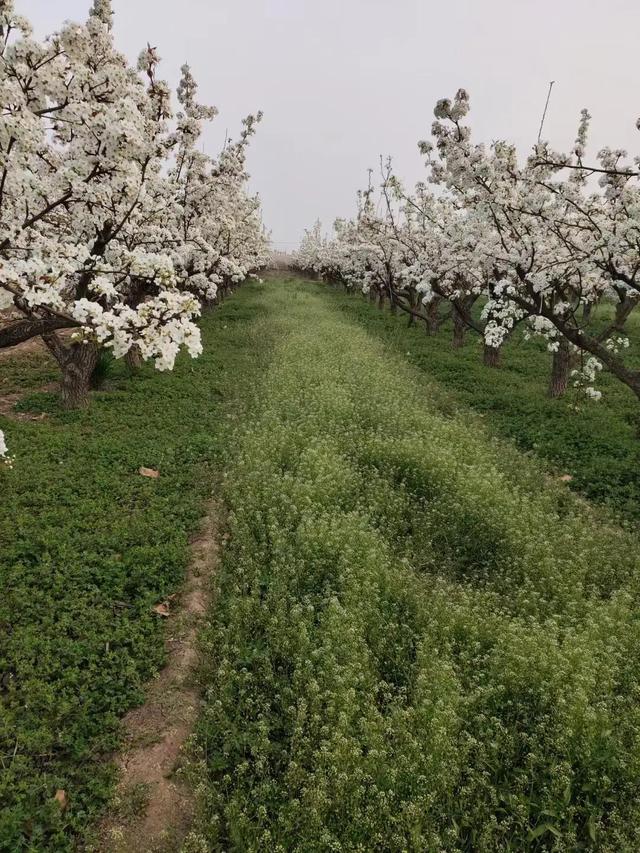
9	400
153	806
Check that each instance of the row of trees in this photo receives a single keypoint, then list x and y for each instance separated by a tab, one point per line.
536	243
114	223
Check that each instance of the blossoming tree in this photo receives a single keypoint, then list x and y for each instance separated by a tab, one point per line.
109	216
553	248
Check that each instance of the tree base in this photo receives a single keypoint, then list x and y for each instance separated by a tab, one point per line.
77	362
491	356
133	359
560	371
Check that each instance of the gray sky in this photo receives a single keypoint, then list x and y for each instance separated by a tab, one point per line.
343	81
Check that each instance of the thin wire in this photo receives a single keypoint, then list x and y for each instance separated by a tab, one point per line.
546	107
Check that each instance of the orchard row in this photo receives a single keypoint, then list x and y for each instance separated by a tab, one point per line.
500	243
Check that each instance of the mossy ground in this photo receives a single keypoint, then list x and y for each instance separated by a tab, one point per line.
88	547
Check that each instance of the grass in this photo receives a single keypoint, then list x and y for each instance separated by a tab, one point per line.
597	444
421	642
26	372
87	547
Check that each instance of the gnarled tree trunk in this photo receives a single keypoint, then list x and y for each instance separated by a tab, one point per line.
133	358
77	363
431	313
491	356
459	329
623	309
560	369
413	303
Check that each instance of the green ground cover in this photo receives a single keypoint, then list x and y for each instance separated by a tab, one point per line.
597	444
87	547
421	641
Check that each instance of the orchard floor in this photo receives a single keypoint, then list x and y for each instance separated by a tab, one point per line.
420	638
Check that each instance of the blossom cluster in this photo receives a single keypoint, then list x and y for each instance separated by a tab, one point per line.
5	457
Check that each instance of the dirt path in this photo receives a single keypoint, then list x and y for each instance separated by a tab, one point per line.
153	808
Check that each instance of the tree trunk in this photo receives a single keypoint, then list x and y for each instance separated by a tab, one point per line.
77	363
381	300
133	359
623	309
76	376
560	369
413	301
459	328
431	311
491	356
580	339
586	311
393	308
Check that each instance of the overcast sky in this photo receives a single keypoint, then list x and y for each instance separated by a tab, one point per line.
343	81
